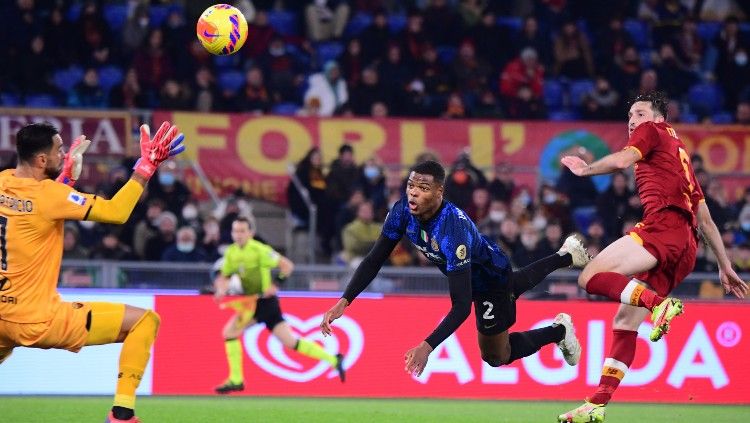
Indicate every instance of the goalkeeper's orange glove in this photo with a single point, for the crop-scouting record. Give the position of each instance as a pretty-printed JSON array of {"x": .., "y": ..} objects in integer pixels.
[
  {"x": 154, "y": 151},
  {"x": 73, "y": 162}
]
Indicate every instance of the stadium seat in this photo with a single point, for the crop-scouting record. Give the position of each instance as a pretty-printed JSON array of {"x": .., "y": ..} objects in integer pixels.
[
  {"x": 329, "y": 50},
  {"x": 562, "y": 115},
  {"x": 578, "y": 89},
  {"x": 705, "y": 99},
  {"x": 512, "y": 23},
  {"x": 40, "y": 101},
  {"x": 109, "y": 76},
  {"x": 688, "y": 118},
  {"x": 284, "y": 23},
  {"x": 645, "y": 56},
  {"x": 553, "y": 94},
  {"x": 396, "y": 23},
  {"x": 74, "y": 12},
  {"x": 583, "y": 216},
  {"x": 9, "y": 100},
  {"x": 285, "y": 109},
  {"x": 115, "y": 15},
  {"x": 357, "y": 24},
  {"x": 639, "y": 31},
  {"x": 708, "y": 30},
  {"x": 446, "y": 54},
  {"x": 231, "y": 80},
  {"x": 157, "y": 15},
  {"x": 66, "y": 79},
  {"x": 226, "y": 62},
  {"x": 722, "y": 118}
]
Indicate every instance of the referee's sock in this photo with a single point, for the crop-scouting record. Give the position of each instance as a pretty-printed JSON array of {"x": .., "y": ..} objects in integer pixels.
[
  {"x": 233, "y": 348},
  {"x": 523, "y": 344},
  {"x": 136, "y": 351},
  {"x": 314, "y": 350}
]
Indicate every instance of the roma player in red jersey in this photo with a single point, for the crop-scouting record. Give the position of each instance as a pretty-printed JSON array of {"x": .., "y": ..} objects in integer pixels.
[{"x": 640, "y": 269}]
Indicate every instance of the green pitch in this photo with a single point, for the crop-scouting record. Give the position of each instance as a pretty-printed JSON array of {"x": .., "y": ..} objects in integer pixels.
[{"x": 281, "y": 410}]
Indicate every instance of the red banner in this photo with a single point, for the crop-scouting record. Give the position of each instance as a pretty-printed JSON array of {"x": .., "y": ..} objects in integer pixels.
[
  {"x": 109, "y": 131},
  {"x": 701, "y": 360},
  {"x": 253, "y": 152}
]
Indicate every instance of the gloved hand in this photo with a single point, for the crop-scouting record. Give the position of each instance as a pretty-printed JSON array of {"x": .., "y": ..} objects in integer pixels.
[
  {"x": 154, "y": 151},
  {"x": 73, "y": 162}
]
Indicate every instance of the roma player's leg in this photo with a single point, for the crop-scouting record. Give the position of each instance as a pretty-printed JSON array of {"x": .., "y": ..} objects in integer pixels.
[{"x": 136, "y": 328}]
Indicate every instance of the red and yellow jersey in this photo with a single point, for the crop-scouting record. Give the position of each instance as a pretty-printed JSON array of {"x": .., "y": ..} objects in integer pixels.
[
  {"x": 32, "y": 214},
  {"x": 664, "y": 175}
]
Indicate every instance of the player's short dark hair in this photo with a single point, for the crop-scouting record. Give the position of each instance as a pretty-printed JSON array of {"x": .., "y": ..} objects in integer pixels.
[
  {"x": 658, "y": 100},
  {"x": 33, "y": 139},
  {"x": 431, "y": 167},
  {"x": 250, "y": 222}
]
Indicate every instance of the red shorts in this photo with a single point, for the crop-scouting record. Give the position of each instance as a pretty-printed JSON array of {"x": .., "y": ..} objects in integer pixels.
[{"x": 668, "y": 236}]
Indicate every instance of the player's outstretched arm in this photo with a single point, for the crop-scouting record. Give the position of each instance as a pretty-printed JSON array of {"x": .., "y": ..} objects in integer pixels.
[
  {"x": 154, "y": 151},
  {"x": 365, "y": 273},
  {"x": 622, "y": 159},
  {"x": 711, "y": 235},
  {"x": 459, "y": 284}
]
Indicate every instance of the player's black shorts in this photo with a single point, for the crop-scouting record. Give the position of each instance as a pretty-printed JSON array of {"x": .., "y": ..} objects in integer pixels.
[
  {"x": 495, "y": 310},
  {"x": 268, "y": 311}
]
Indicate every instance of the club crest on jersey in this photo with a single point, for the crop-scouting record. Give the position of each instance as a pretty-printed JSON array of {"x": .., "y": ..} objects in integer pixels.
[
  {"x": 76, "y": 198},
  {"x": 461, "y": 252},
  {"x": 434, "y": 244}
]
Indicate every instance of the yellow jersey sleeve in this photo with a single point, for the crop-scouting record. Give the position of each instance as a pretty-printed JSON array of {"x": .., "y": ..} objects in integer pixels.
[{"x": 61, "y": 202}]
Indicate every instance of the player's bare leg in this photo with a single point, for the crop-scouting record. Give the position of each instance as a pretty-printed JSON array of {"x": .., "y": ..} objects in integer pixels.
[
  {"x": 308, "y": 348},
  {"x": 136, "y": 328},
  {"x": 606, "y": 275},
  {"x": 232, "y": 332}
]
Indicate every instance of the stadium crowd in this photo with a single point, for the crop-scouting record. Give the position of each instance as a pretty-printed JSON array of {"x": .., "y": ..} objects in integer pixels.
[
  {"x": 556, "y": 59},
  {"x": 353, "y": 199},
  {"x": 546, "y": 59}
]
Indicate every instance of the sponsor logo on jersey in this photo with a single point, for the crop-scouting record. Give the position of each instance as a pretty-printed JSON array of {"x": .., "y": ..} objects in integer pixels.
[{"x": 4, "y": 283}]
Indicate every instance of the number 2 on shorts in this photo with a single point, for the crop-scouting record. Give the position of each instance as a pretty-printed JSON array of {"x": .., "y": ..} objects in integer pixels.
[{"x": 487, "y": 315}]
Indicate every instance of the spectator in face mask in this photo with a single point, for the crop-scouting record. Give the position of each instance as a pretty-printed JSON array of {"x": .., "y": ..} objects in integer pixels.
[
  {"x": 169, "y": 189},
  {"x": 529, "y": 249},
  {"x": 190, "y": 216},
  {"x": 463, "y": 178},
  {"x": 185, "y": 249},
  {"x": 491, "y": 224},
  {"x": 372, "y": 183}
]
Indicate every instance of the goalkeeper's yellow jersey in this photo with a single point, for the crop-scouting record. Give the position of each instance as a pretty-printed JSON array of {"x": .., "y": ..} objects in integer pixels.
[
  {"x": 253, "y": 263},
  {"x": 32, "y": 214}
]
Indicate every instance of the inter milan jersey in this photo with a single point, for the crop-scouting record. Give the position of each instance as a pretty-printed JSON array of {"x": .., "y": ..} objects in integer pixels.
[
  {"x": 664, "y": 175},
  {"x": 452, "y": 242}
]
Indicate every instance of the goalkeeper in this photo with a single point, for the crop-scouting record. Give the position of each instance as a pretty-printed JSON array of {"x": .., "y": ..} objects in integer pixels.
[
  {"x": 252, "y": 261},
  {"x": 35, "y": 200}
]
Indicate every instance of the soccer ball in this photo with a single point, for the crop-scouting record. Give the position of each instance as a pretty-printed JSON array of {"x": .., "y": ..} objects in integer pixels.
[{"x": 222, "y": 29}]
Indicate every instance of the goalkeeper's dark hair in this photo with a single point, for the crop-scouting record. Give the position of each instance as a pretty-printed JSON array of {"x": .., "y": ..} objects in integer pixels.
[
  {"x": 249, "y": 220},
  {"x": 431, "y": 167},
  {"x": 33, "y": 139},
  {"x": 658, "y": 100}
]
